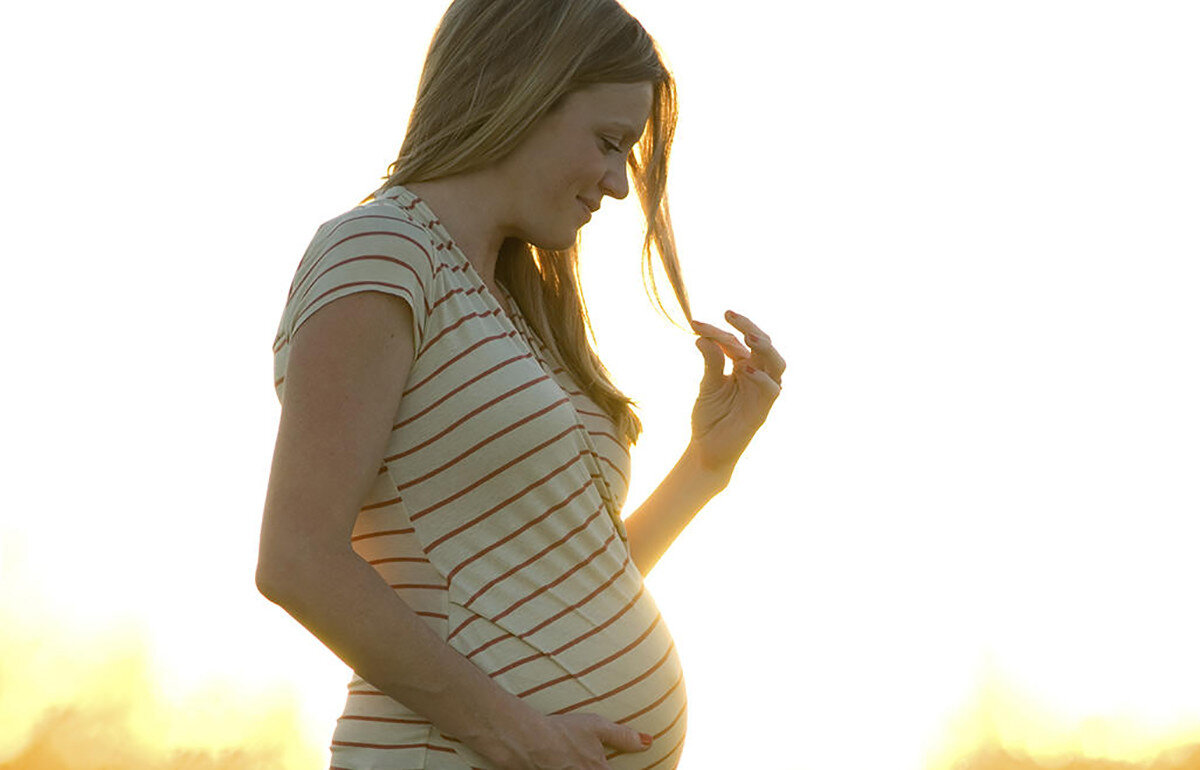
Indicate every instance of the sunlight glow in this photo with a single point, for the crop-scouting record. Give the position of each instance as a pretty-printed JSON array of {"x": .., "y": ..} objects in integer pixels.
[{"x": 970, "y": 522}]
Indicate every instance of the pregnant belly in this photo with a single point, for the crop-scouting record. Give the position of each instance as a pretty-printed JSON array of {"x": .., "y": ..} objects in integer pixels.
[{"x": 615, "y": 658}]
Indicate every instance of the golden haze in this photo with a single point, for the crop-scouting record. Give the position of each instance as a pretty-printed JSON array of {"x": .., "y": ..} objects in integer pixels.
[{"x": 70, "y": 700}]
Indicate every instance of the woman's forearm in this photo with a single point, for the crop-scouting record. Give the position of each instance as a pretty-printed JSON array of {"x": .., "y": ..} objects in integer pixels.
[
  {"x": 669, "y": 508},
  {"x": 342, "y": 600}
]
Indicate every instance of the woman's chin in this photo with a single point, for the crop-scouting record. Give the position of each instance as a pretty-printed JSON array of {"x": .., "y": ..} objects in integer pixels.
[{"x": 557, "y": 242}]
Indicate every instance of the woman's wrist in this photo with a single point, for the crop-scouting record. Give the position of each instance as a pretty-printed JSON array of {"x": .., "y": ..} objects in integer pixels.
[
  {"x": 712, "y": 477},
  {"x": 500, "y": 733}
]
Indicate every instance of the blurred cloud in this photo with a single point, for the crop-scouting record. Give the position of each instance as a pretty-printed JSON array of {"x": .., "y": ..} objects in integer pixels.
[
  {"x": 994, "y": 758},
  {"x": 72, "y": 699}
]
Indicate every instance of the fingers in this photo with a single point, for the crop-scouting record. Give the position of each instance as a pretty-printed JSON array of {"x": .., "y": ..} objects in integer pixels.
[
  {"x": 730, "y": 344},
  {"x": 760, "y": 355},
  {"x": 769, "y": 386},
  {"x": 745, "y": 325},
  {"x": 714, "y": 362},
  {"x": 760, "y": 344},
  {"x": 623, "y": 738}
]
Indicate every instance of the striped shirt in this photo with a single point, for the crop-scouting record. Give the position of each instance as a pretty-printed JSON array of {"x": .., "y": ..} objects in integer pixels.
[{"x": 496, "y": 511}]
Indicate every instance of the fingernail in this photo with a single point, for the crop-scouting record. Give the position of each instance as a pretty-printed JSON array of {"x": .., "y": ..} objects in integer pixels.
[
  {"x": 646, "y": 739},
  {"x": 731, "y": 314}
]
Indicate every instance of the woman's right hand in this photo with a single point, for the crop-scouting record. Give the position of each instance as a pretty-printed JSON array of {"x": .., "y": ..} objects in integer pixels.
[{"x": 561, "y": 741}]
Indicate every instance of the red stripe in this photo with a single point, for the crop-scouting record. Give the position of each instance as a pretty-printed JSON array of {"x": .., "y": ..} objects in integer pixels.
[
  {"x": 393, "y": 746},
  {"x": 387, "y": 720},
  {"x": 595, "y": 592},
  {"x": 462, "y": 625},
  {"x": 614, "y": 467},
  {"x": 464, "y": 490},
  {"x": 519, "y": 662},
  {"x": 393, "y": 559},
  {"x": 641, "y": 638},
  {"x": 384, "y": 504},
  {"x": 460, "y": 529},
  {"x": 605, "y": 624},
  {"x": 451, "y": 293},
  {"x": 656, "y": 703},
  {"x": 522, "y": 565},
  {"x": 339, "y": 287},
  {"x": 484, "y": 551},
  {"x": 510, "y": 427},
  {"x": 366, "y": 214},
  {"x": 454, "y": 360},
  {"x": 447, "y": 329},
  {"x": 565, "y": 610},
  {"x": 674, "y": 749},
  {"x": 619, "y": 444},
  {"x": 603, "y": 433},
  {"x": 477, "y": 410},
  {"x": 302, "y": 279},
  {"x": 544, "y": 685},
  {"x": 625, "y": 686},
  {"x": 556, "y": 581},
  {"x": 597, "y": 664},
  {"x": 405, "y": 531},
  {"x": 670, "y": 755},
  {"x": 678, "y": 744},
  {"x": 315, "y": 280},
  {"x": 349, "y": 220},
  {"x": 457, "y": 389},
  {"x": 504, "y": 635}
]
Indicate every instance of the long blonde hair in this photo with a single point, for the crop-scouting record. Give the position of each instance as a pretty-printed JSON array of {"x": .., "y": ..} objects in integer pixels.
[{"x": 493, "y": 69}]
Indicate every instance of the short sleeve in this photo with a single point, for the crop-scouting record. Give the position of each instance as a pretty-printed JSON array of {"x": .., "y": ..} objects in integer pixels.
[{"x": 364, "y": 250}]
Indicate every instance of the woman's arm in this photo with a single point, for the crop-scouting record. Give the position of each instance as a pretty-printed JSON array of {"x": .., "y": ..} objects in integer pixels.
[
  {"x": 728, "y": 412},
  {"x": 346, "y": 372},
  {"x": 347, "y": 367},
  {"x": 670, "y": 508}
]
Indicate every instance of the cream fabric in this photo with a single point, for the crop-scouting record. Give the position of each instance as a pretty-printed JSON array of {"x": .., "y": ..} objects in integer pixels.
[{"x": 495, "y": 514}]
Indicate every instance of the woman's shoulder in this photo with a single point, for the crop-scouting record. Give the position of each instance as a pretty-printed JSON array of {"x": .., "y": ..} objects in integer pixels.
[
  {"x": 383, "y": 245},
  {"x": 387, "y": 214},
  {"x": 394, "y": 226}
]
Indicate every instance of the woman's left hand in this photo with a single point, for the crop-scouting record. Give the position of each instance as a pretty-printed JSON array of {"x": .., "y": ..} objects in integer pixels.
[{"x": 731, "y": 407}]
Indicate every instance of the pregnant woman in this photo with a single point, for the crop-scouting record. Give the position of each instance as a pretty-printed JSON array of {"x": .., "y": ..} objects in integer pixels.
[{"x": 443, "y": 510}]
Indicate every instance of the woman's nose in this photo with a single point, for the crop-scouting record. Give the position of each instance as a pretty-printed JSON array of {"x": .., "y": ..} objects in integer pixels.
[{"x": 615, "y": 183}]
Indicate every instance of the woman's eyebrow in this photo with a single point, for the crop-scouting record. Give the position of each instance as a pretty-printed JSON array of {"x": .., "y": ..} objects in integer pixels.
[{"x": 628, "y": 132}]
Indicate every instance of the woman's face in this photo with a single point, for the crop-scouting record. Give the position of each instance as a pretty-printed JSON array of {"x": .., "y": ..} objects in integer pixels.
[{"x": 571, "y": 159}]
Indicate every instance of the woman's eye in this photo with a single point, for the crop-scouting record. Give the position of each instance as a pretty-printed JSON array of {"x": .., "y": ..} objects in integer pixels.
[{"x": 610, "y": 146}]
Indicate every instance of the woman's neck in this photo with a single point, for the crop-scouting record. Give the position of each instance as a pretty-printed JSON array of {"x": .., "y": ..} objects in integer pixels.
[{"x": 464, "y": 204}]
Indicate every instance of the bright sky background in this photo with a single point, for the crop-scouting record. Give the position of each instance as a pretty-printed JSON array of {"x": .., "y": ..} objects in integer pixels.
[{"x": 972, "y": 228}]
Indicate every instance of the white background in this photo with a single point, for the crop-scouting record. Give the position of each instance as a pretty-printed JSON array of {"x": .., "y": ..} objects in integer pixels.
[{"x": 971, "y": 227}]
